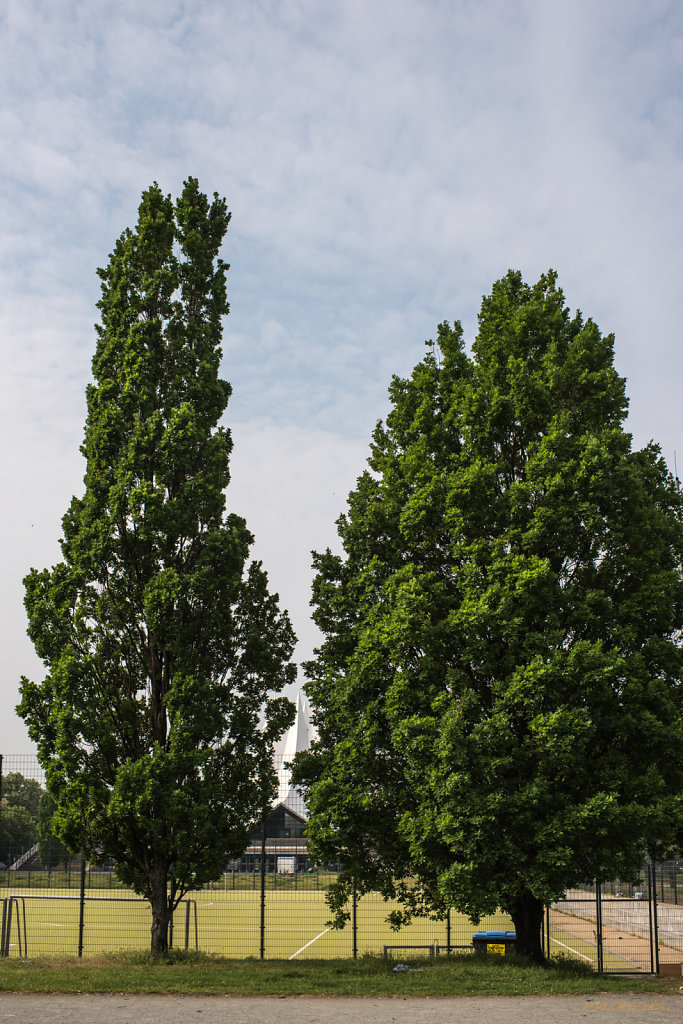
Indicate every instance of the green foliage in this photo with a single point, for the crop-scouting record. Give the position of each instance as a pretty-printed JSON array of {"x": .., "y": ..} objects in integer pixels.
[
  {"x": 17, "y": 830},
  {"x": 154, "y": 722},
  {"x": 498, "y": 690},
  {"x": 19, "y": 791},
  {"x": 25, "y": 816},
  {"x": 50, "y": 850},
  {"x": 18, "y": 814}
]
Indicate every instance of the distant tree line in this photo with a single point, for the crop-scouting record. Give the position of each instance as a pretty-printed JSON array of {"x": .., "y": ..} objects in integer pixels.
[{"x": 26, "y": 811}]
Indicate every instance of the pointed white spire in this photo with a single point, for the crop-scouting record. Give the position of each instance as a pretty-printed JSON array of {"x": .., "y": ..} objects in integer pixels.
[{"x": 298, "y": 737}]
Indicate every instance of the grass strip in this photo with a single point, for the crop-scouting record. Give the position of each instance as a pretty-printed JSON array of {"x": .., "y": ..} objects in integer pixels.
[{"x": 203, "y": 974}]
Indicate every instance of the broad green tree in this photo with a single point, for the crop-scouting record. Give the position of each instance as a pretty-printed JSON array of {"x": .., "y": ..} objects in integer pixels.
[
  {"x": 164, "y": 648},
  {"x": 498, "y": 690},
  {"x": 51, "y": 850},
  {"x": 22, "y": 792},
  {"x": 17, "y": 831},
  {"x": 18, "y": 815}
]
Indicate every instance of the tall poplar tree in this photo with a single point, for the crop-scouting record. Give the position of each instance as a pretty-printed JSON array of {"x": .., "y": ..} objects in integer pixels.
[
  {"x": 163, "y": 646},
  {"x": 499, "y": 688}
]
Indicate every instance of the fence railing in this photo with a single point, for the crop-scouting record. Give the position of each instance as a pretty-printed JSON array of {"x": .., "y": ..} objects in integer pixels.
[
  {"x": 611, "y": 934},
  {"x": 271, "y": 904}
]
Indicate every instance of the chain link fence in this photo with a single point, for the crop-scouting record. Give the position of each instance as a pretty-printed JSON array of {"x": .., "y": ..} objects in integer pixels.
[{"x": 270, "y": 903}]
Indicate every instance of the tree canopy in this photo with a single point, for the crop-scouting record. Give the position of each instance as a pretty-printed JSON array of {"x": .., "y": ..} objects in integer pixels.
[
  {"x": 50, "y": 850},
  {"x": 498, "y": 690},
  {"x": 20, "y": 791},
  {"x": 163, "y": 646},
  {"x": 18, "y": 815}
]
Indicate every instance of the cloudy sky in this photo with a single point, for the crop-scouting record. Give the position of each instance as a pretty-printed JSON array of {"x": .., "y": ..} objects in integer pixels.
[{"x": 384, "y": 163}]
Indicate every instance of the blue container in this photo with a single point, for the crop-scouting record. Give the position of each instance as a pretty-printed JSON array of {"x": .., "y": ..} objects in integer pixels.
[{"x": 498, "y": 943}]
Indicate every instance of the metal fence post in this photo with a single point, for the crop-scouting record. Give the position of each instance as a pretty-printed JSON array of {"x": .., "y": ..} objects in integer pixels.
[
  {"x": 654, "y": 934},
  {"x": 170, "y": 923},
  {"x": 598, "y": 925},
  {"x": 8, "y": 932},
  {"x": 81, "y": 915},
  {"x": 675, "y": 872},
  {"x": 542, "y": 932},
  {"x": 649, "y": 918},
  {"x": 355, "y": 921},
  {"x": 263, "y": 889}
]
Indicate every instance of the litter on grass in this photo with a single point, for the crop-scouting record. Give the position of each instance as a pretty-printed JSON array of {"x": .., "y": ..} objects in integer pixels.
[{"x": 407, "y": 967}]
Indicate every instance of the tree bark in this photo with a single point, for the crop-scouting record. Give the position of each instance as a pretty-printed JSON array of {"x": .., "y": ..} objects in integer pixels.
[
  {"x": 527, "y": 915},
  {"x": 160, "y": 915}
]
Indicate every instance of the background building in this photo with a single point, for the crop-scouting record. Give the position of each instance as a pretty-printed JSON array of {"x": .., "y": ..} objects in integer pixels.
[{"x": 285, "y": 843}]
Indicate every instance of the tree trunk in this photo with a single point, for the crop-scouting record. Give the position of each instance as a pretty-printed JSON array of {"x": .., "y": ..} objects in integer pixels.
[
  {"x": 159, "y": 880},
  {"x": 527, "y": 915},
  {"x": 160, "y": 915}
]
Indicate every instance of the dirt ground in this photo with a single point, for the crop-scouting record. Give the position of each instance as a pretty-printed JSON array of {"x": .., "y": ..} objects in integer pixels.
[
  {"x": 632, "y": 949},
  {"x": 625, "y": 926},
  {"x": 126, "y": 1009}
]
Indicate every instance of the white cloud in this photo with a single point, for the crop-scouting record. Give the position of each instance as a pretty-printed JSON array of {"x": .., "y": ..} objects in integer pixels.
[
  {"x": 291, "y": 484},
  {"x": 384, "y": 164}
]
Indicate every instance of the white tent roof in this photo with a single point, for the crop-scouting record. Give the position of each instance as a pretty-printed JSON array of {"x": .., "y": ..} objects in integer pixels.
[{"x": 298, "y": 737}]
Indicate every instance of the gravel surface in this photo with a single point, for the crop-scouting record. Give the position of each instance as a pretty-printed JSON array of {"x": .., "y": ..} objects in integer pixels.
[{"x": 153, "y": 1009}]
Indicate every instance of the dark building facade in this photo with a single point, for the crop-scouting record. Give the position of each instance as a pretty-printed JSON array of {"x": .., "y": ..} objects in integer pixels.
[{"x": 285, "y": 844}]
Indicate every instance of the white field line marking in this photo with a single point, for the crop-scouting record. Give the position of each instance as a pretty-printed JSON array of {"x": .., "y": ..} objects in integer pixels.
[
  {"x": 307, "y": 945},
  {"x": 571, "y": 949}
]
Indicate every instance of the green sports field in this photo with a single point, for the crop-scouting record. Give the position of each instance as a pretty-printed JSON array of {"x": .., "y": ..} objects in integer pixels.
[
  {"x": 228, "y": 922},
  {"x": 223, "y": 922}
]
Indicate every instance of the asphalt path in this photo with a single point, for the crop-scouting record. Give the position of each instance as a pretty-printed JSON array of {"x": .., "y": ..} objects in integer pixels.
[{"x": 27, "y": 1008}]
